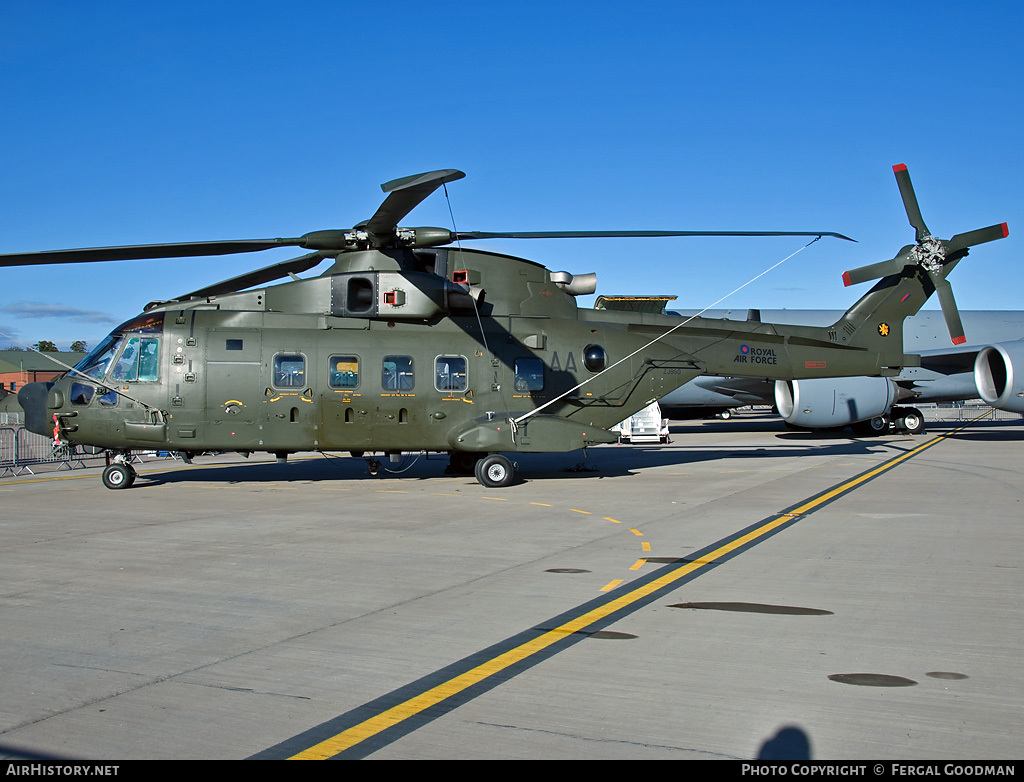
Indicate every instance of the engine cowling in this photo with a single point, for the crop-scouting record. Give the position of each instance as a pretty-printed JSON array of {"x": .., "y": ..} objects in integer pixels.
[
  {"x": 822, "y": 403},
  {"x": 999, "y": 375}
]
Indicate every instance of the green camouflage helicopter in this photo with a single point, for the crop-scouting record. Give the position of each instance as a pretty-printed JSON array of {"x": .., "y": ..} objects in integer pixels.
[{"x": 410, "y": 343}]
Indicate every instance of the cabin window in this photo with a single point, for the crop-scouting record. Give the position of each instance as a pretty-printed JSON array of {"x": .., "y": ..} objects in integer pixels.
[
  {"x": 343, "y": 372},
  {"x": 594, "y": 358},
  {"x": 397, "y": 373},
  {"x": 233, "y": 344},
  {"x": 289, "y": 370},
  {"x": 450, "y": 373},
  {"x": 529, "y": 374}
]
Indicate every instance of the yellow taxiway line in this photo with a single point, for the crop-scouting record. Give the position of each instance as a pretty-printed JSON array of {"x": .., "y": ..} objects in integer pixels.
[{"x": 437, "y": 694}]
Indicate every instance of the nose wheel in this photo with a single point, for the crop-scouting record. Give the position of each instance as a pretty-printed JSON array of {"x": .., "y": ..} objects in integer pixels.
[{"x": 118, "y": 476}]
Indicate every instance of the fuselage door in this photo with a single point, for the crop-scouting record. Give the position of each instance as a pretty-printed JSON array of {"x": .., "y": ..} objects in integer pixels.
[{"x": 234, "y": 389}]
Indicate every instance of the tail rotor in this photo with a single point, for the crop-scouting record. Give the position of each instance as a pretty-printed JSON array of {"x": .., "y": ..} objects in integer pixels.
[{"x": 931, "y": 257}]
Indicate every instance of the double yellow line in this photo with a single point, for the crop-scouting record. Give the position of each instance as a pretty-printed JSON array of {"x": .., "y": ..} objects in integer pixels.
[{"x": 436, "y": 695}]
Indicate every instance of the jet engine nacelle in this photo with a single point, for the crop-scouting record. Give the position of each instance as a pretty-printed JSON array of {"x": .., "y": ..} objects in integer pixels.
[
  {"x": 999, "y": 375},
  {"x": 824, "y": 403}
]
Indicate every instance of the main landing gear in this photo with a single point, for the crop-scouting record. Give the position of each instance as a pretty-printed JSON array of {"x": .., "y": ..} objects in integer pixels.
[
  {"x": 494, "y": 471},
  {"x": 907, "y": 420},
  {"x": 491, "y": 470}
]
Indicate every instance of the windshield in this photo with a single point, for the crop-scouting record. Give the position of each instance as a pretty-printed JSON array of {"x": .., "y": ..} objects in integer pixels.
[
  {"x": 95, "y": 364},
  {"x": 138, "y": 362}
]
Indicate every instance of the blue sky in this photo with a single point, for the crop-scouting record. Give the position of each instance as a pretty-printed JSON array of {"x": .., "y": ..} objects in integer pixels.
[{"x": 130, "y": 123}]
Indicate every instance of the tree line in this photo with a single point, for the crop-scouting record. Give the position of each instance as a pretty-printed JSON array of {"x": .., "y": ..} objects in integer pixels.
[{"x": 46, "y": 346}]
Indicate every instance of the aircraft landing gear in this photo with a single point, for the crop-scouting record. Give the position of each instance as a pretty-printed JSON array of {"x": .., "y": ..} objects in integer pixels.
[
  {"x": 119, "y": 475},
  {"x": 873, "y": 427},
  {"x": 908, "y": 420},
  {"x": 462, "y": 462},
  {"x": 495, "y": 471}
]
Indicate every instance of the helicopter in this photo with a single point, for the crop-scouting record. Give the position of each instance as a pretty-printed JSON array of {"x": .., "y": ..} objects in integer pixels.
[{"x": 409, "y": 342}]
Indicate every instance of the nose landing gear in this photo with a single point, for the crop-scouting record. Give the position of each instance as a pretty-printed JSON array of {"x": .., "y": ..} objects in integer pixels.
[{"x": 119, "y": 475}]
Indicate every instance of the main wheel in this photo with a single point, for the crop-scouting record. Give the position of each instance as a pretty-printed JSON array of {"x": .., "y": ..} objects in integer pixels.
[
  {"x": 494, "y": 471},
  {"x": 873, "y": 426},
  {"x": 118, "y": 476},
  {"x": 911, "y": 421},
  {"x": 462, "y": 462}
]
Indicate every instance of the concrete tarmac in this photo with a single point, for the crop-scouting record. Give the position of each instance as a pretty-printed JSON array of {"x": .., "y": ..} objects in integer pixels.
[{"x": 738, "y": 592}]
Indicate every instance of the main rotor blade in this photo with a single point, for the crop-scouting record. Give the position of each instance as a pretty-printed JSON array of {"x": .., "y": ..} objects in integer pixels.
[
  {"x": 258, "y": 276},
  {"x": 406, "y": 194},
  {"x": 469, "y": 235},
  {"x": 910, "y": 201},
  {"x": 949, "y": 309},
  {"x": 979, "y": 236},
  {"x": 143, "y": 251}
]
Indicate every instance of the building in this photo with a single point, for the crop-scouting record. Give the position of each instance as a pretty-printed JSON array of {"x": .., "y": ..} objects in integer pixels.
[{"x": 18, "y": 367}]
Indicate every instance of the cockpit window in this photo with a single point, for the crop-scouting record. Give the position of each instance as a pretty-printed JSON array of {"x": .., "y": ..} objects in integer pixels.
[
  {"x": 95, "y": 364},
  {"x": 145, "y": 323},
  {"x": 140, "y": 358},
  {"x": 81, "y": 393},
  {"x": 138, "y": 361}
]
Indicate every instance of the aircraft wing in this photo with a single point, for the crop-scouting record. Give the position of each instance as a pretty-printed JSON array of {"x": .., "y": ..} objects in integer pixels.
[{"x": 722, "y": 392}]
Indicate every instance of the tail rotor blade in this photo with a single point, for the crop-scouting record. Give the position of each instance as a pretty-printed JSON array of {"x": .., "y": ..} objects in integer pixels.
[
  {"x": 910, "y": 201},
  {"x": 949, "y": 310},
  {"x": 980, "y": 236},
  {"x": 932, "y": 256},
  {"x": 873, "y": 271}
]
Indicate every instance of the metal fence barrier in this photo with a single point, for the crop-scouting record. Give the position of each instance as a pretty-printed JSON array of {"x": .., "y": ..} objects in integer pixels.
[
  {"x": 20, "y": 450},
  {"x": 7, "y": 449},
  {"x": 959, "y": 413}
]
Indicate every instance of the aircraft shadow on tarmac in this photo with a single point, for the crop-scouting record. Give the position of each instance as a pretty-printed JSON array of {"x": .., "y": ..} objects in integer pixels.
[{"x": 603, "y": 462}]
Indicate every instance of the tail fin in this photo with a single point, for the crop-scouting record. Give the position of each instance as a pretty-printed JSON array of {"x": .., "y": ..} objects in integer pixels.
[{"x": 875, "y": 321}]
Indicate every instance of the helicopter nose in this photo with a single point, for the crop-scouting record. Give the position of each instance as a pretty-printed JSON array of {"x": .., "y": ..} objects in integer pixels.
[{"x": 32, "y": 399}]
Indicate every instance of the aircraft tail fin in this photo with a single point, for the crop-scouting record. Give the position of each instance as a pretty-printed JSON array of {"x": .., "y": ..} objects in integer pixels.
[{"x": 875, "y": 321}]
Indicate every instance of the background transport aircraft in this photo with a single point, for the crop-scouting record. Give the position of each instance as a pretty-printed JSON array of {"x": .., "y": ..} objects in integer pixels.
[{"x": 990, "y": 366}]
